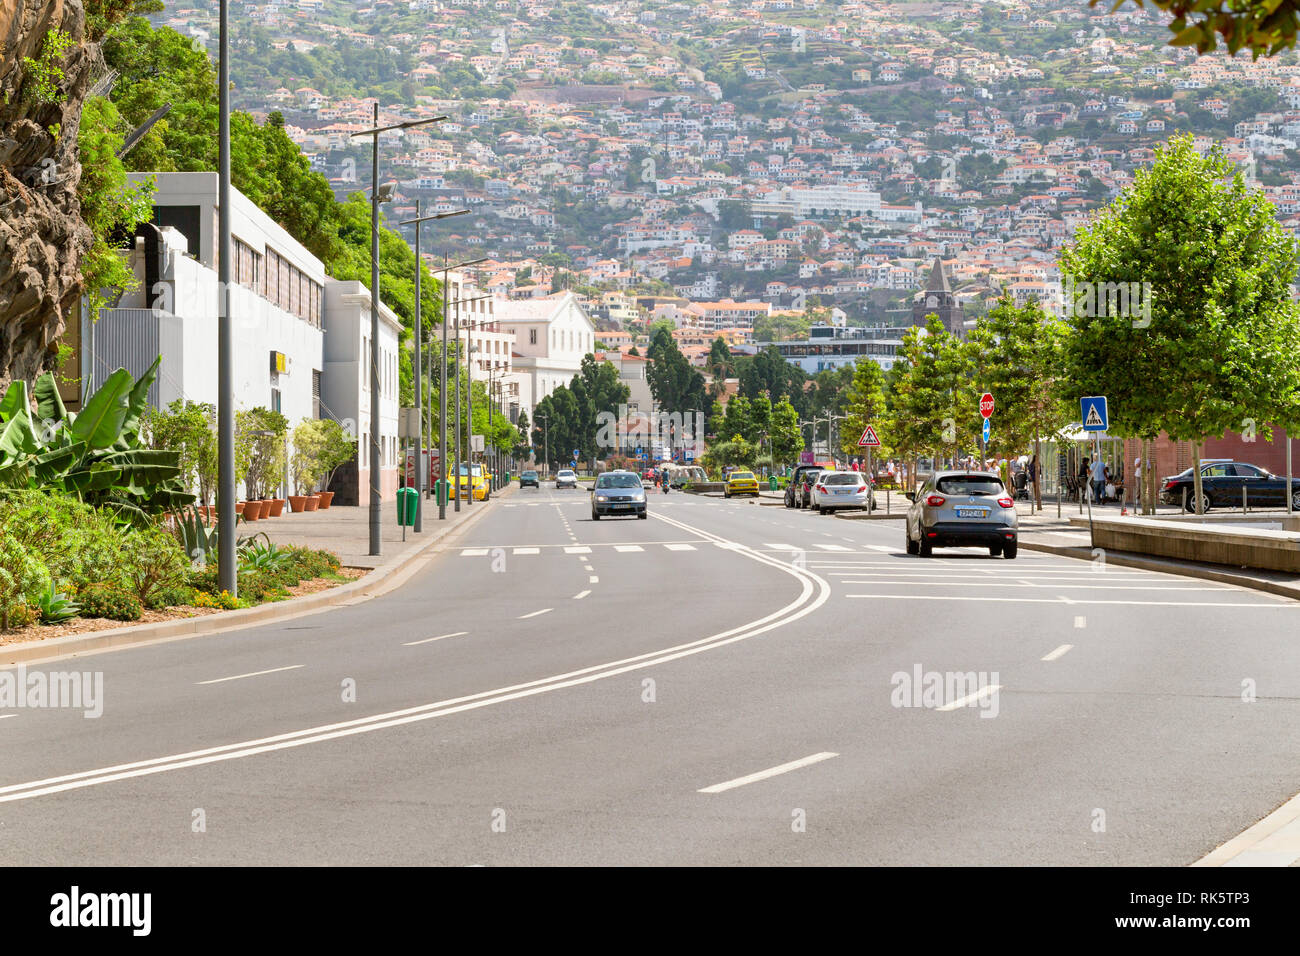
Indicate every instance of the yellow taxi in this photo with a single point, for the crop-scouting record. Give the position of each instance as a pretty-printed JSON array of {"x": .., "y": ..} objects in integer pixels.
[
  {"x": 740, "y": 483},
  {"x": 471, "y": 480}
]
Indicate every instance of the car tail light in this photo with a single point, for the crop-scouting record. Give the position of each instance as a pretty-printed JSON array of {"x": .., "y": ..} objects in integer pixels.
[
  {"x": 1170, "y": 484},
  {"x": 821, "y": 488},
  {"x": 1006, "y": 502},
  {"x": 935, "y": 501}
]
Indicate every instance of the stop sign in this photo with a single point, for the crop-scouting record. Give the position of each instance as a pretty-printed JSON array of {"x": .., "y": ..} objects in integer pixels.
[{"x": 986, "y": 404}]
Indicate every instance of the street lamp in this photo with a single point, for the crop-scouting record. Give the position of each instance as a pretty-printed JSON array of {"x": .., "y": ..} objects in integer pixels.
[
  {"x": 378, "y": 194},
  {"x": 546, "y": 442},
  {"x": 227, "y": 577},
  {"x": 442, "y": 419},
  {"x": 418, "y": 221},
  {"x": 469, "y": 413}
]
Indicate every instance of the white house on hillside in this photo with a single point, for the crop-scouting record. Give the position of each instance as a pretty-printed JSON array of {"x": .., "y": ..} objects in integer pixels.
[{"x": 551, "y": 335}]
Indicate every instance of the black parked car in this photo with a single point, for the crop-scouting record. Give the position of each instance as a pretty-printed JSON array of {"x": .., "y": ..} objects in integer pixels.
[
  {"x": 528, "y": 478},
  {"x": 1222, "y": 483},
  {"x": 803, "y": 492},
  {"x": 792, "y": 499}
]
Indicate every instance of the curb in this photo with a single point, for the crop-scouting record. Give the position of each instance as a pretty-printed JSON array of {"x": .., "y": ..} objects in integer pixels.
[
  {"x": 1129, "y": 560},
  {"x": 387, "y": 577},
  {"x": 858, "y": 516},
  {"x": 1270, "y": 842}
]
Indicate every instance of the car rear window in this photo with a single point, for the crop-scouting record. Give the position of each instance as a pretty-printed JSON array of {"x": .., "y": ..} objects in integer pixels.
[
  {"x": 842, "y": 480},
  {"x": 969, "y": 485},
  {"x": 618, "y": 481},
  {"x": 742, "y": 475}
]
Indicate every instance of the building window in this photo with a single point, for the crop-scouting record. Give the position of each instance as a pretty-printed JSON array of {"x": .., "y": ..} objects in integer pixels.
[
  {"x": 532, "y": 336},
  {"x": 315, "y": 393}
]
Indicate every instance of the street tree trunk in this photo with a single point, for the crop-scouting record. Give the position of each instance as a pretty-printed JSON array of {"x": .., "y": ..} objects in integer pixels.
[{"x": 1196, "y": 475}]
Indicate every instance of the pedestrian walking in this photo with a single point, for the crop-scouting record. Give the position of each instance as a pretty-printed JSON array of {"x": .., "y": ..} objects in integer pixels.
[{"x": 1098, "y": 473}]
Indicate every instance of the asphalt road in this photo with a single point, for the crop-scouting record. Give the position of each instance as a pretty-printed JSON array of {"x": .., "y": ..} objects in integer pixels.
[{"x": 553, "y": 690}]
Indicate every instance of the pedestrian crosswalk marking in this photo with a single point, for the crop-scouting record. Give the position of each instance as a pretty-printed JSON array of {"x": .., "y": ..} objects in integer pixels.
[
  {"x": 526, "y": 551},
  {"x": 833, "y": 547},
  {"x": 628, "y": 547},
  {"x": 780, "y": 547},
  {"x": 473, "y": 552},
  {"x": 580, "y": 549},
  {"x": 680, "y": 547}
]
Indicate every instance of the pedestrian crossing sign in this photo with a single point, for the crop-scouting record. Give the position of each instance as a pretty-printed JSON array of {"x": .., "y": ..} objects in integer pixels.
[
  {"x": 1093, "y": 413},
  {"x": 869, "y": 439}
]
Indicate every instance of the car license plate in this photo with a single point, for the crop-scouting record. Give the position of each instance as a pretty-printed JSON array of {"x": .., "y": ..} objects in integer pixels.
[
  {"x": 842, "y": 491},
  {"x": 622, "y": 506},
  {"x": 972, "y": 513}
]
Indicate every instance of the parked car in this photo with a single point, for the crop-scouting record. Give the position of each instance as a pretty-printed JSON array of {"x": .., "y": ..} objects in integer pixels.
[
  {"x": 617, "y": 493},
  {"x": 1222, "y": 483},
  {"x": 529, "y": 479},
  {"x": 566, "y": 478},
  {"x": 740, "y": 483},
  {"x": 803, "y": 492},
  {"x": 471, "y": 480},
  {"x": 841, "y": 489},
  {"x": 792, "y": 487},
  {"x": 962, "y": 508}
]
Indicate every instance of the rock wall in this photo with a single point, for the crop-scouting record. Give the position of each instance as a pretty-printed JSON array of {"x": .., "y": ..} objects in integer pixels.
[{"x": 42, "y": 237}]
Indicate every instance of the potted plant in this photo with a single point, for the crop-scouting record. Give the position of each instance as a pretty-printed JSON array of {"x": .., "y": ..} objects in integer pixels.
[
  {"x": 321, "y": 446},
  {"x": 260, "y": 456}
]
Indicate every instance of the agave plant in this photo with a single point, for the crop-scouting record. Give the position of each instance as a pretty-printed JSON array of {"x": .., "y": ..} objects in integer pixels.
[
  {"x": 255, "y": 556},
  {"x": 200, "y": 540},
  {"x": 95, "y": 454},
  {"x": 55, "y": 608}
]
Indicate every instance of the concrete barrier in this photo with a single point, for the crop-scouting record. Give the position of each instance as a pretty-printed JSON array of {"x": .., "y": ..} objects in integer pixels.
[{"x": 1236, "y": 547}]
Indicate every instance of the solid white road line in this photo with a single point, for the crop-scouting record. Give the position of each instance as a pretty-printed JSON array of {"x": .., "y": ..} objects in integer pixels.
[
  {"x": 5, "y": 716},
  {"x": 440, "y": 637},
  {"x": 273, "y": 670},
  {"x": 780, "y": 547},
  {"x": 814, "y": 592},
  {"x": 771, "y": 772},
  {"x": 1061, "y": 600},
  {"x": 970, "y": 698},
  {"x": 544, "y": 610},
  {"x": 833, "y": 547},
  {"x": 1059, "y": 652},
  {"x": 1054, "y": 585},
  {"x": 580, "y": 595}
]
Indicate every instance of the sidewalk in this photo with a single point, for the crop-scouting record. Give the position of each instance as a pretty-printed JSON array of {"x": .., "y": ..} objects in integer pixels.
[{"x": 345, "y": 530}]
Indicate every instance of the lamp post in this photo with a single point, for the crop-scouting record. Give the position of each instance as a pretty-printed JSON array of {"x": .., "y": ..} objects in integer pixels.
[
  {"x": 469, "y": 400},
  {"x": 442, "y": 418},
  {"x": 378, "y": 194},
  {"x": 546, "y": 446},
  {"x": 469, "y": 414},
  {"x": 419, "y": 221},
  {"x": 226, "y": 566}
]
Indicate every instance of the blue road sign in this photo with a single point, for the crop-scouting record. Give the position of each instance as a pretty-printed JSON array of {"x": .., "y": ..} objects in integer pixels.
[
  {"x": 987, "y": 431},
  {"x": 574, "y": 463},
  {"x": 577, "y": 454},
  {"x": 1093, "y": 413}
]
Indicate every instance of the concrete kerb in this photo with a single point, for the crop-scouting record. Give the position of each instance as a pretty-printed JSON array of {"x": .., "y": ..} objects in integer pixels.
[
  {"x": 1144, "y": 563},
  {"x": 383, "y": 579}
]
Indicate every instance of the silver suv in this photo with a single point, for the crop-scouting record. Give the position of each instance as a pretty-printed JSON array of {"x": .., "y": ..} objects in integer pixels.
[{"x": 959, "y": 508}]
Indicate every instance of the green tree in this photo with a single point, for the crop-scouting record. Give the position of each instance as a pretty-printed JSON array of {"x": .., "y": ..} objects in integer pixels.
[
  {"x": 926, "y": 393},
  {"x": 784, "y": 434},
  {"x": 188, "y": 428},
  {"x": 866, "y": 404},
  {"x": 676, "y": 386},
  {"x": 1264, "y": 27},
  {"x": 1016, "y": 355},
  {"x": 1214, "y": 346}
]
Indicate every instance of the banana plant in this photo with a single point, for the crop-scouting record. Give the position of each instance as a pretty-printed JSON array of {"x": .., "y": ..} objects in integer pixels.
[{"x": 95, "y": 454}]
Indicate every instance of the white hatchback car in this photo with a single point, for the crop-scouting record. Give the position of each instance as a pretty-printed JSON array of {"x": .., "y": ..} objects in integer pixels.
[
  {"x": 566, "y": 478},
  {"x": 840, "y": 489}
]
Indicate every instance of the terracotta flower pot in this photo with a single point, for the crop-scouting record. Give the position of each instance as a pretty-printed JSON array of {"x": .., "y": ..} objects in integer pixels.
[
  {"x": 325, "y": 498},
  {"x": 239, "y": 507},
  {"x": 277, "y": 508},
  {"x": 297, "y": 503},
  {"x": 252, "y": 510},
  {"x": 313, "y": 502}
]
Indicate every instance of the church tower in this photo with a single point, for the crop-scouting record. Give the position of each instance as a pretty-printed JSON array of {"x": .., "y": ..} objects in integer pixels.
[{"x": 939, "y": 300}]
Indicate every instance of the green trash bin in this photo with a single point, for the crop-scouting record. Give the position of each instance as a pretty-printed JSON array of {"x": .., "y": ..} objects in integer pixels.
[
  {"x": 440, "y": 490},
  {"x": 507, "y": 478},
  {"x": 408, "y": 499},
  {"x": 772, "y": 483}
]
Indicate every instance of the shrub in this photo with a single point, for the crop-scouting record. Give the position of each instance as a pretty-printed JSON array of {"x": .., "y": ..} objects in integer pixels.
[
  {"x": 222, "y": 599},
  {"x": 22, "y": 575},
  {"x": 259, "y": 586},
  {"x": 154, "y": 562},
  {"x": 174, "y": 596},
  {"x": 116, "y": 604},
  {"x": 21, "y": 615}
]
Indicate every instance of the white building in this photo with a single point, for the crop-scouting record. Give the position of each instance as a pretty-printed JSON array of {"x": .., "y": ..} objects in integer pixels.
[
  {"x": 345, "y": 395},
  {"x": 276, "y": 304},
  {"x": 551, "y": 335}
]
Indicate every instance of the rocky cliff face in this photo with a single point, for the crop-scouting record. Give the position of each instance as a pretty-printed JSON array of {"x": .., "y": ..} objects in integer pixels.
[{"x": 42, "y": 237}]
